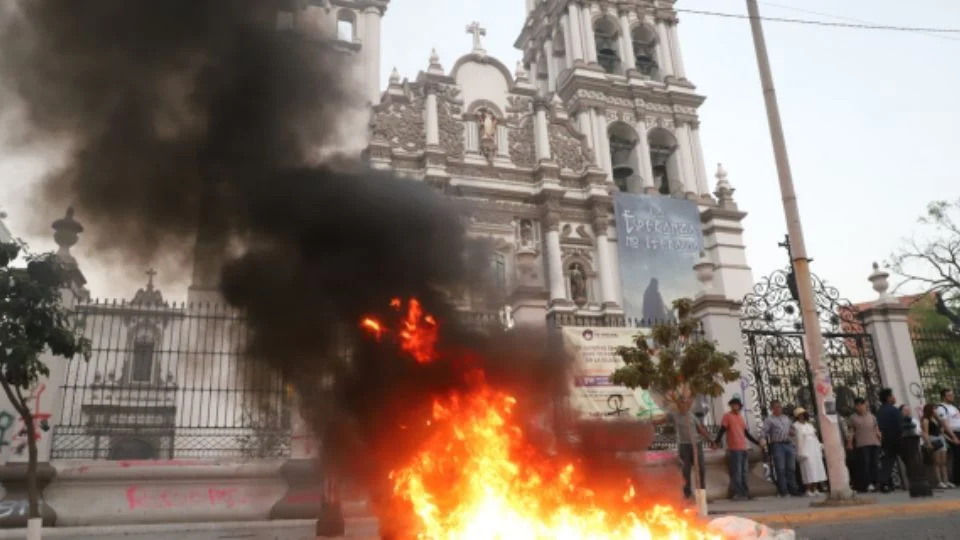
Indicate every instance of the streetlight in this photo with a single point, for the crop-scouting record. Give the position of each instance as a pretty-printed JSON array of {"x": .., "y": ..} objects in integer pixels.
[{"x": 833, "y": 447}]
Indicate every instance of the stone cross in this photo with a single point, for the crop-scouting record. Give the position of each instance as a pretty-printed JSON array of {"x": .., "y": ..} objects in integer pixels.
[
  {"x": 477, "y": 31},
  {"x": 150, "y": 275}
]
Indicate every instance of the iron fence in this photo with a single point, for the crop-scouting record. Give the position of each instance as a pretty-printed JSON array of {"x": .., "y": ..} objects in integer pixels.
[
  {"x": 172, "y": 381},
  {"x": 938, "y": 359},
  {"x": 169, "y": 381}
]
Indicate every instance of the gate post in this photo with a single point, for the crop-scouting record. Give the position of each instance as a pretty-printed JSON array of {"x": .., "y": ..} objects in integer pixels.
[
  {"x": 887, "y": 323},
  {"x": 720, "y": 318}
]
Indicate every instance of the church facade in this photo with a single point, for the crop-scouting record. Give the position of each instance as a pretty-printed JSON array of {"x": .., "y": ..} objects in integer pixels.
[{"x": 600, "y": 102}]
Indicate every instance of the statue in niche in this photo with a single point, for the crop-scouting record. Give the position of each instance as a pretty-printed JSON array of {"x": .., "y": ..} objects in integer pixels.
[
  {"x": 660, "y": 179},
  {"x": 526, "y": 233},
  {"x": 578, "y": 284},
  {"x": 488, "y": 124}
]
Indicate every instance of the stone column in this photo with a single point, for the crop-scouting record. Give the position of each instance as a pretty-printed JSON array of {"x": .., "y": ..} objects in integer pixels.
[
  {"x": 558, "y": 289},
  {"x": 643, "y": 149},
  {"x": 371, "y": 46},
  {"x": 567, "y": 40},
  {"x": 602, "y": 144},
  {"x": 432, "y": 119},
  {"x": 887, "y": 323},
  {"x": 626, "y": 40},
  {"x": 721, "y": 323},
  {"x": 703, "y": 189},
  {"x": 663, "y": 50},
  {"x": 541, "y": 130},
  {"x": 675, "y": 55},
  {"x": 574, "y": 29},
  {"x": 551, "y": 65},
  {"x": 685, "y": 159},
  {"x": 589, "y": 40},
  {"x": 587, "y": 128},
  {"x": 608, "y": 291}
]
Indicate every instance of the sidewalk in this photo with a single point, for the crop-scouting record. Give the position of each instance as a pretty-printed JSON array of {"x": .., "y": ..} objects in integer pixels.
[{"x": 795, "y": 511}]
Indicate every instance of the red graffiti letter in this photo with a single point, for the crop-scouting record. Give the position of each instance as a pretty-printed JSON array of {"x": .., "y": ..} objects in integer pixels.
[
  {"x": 221, "y": 495},
  {"x": 135, "y": 498}
]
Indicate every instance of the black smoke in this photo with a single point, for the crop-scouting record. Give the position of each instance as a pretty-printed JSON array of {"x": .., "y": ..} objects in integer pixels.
[{"x": 187, "y": 114}]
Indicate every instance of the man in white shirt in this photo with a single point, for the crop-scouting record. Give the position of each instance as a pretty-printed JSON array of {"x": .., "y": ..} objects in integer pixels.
[{"x": 949, "y": 417}]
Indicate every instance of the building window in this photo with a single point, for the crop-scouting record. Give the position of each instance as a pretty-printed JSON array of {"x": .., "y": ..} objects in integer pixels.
[
  {"x": 345, "y": 25},
  {"x": 142, "y": 369},
  {"x": 645, "y": 51},
  {"x": 607, "y": 36}
]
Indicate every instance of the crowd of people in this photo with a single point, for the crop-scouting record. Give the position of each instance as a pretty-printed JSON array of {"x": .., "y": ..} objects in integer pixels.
[{"x": 874, "y": 443}]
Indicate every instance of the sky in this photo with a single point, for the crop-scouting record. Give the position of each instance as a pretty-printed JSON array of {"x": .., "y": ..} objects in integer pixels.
[{"x": 871, "y": 120}]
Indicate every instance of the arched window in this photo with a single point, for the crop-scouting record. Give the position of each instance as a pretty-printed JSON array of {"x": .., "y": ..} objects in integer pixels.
[
  {"x": 623, "y": 156},
  {"x": 663, "y": 158},
  {"x": 645, "y": 51},
  {"x": 607, "y": 35},
  {"x": 346, "y": 25}
]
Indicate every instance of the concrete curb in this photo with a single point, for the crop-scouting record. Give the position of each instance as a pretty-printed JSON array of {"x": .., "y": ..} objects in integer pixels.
[{"x": 855, "y": 513}]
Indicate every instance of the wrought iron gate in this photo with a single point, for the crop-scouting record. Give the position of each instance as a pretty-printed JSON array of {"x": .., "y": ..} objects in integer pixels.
[{"x": 777, "y": 367}]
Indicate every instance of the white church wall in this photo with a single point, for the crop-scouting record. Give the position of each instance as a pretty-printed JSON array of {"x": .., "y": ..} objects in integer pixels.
[{"x": 483, "y": 82}]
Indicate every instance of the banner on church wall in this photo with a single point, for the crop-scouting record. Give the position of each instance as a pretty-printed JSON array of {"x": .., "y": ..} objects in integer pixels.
[
  {"x": 659, "y": 240},
  {"x": 594, "y": 351}
]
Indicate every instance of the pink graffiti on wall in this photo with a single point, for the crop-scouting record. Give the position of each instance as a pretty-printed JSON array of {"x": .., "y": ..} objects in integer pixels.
[{"x": 139, "y": 498}]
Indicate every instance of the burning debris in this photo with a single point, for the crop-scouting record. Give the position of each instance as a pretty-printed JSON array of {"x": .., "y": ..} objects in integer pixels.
[{"x": 475, "y": 474}]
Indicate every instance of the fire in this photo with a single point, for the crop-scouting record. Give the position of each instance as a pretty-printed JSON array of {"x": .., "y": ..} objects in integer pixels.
[{"x": 476, "y": 477}]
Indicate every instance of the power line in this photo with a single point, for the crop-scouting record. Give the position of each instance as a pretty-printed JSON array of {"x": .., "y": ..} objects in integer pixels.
[
  {"x": 850, "y": 19},
  {"x": 859, "y": 26}
]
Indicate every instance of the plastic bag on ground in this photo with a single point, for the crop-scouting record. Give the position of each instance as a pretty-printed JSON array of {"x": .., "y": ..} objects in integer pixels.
[{"x": 739, "y": 528}]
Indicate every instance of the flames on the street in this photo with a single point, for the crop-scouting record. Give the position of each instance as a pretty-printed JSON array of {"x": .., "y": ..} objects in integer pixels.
[{"x": 476, "y": 477}]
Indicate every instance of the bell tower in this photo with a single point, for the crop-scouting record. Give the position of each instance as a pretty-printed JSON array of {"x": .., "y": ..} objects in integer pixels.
[
  {"x": 618, "y": 70},
  {"x": 355, "y": 25}
]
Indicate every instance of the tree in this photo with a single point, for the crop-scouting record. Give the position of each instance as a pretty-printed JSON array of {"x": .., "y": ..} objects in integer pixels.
[
  {"x": 934, "y": 262},
  {"x": 677, "y": 366},
  {"x": 33, "y": 320}
]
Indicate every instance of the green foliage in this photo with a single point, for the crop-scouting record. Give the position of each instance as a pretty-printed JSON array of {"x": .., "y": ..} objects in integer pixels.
[
  {"x": 933, "y": 263},
  {"x": 674, "y": 364},
  {"x": 924, "y": 317},
  {"x": 32, "y": 318}
]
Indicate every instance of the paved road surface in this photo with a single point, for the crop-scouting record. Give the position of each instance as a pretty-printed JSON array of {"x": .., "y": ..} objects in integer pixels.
[{"x": 938, "y": 527}]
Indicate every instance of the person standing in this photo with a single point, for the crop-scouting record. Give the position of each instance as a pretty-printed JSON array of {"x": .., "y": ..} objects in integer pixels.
[
  {"x": 735, "y": 428},
  {"x": 949, "y": 417},
  {"x": 689, "y": 428},
  {"x": 890, "y": 422},
  {"x": 809, "y": 452},
  {"x": 863, "y": 439},
  {"x": 935, "y": 439},
  {"x": 778, "y": 433}
]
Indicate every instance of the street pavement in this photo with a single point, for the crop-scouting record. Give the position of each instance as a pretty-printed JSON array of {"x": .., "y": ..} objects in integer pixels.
[
  {"x": 935, "y": 527},
  {"x": 890, "y": 517}
]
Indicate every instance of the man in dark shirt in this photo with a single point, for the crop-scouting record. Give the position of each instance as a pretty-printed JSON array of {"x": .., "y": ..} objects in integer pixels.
[{"x": 890, "y": 422}]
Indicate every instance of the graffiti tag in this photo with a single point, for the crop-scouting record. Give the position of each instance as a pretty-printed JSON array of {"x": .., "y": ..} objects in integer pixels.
[
  {"x": 139, "y": 498},
  {"x": 15, "y": 508}
]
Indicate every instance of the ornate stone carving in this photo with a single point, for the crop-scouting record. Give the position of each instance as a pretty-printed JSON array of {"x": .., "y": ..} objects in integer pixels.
[
  {"x": 449, "y": 109},
  {"x": 602, "y": 97},
  {"x": 568, "y": 149},
  {"x": 400, "y": 124},
  {"x": 522, "y": 150},
  {"x": 518, "y": 107},
  {"x": 581, "y": 252}
]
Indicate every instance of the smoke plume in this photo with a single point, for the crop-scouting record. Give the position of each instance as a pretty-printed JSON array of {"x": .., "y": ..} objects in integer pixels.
[{"x": 180, "y": 114}]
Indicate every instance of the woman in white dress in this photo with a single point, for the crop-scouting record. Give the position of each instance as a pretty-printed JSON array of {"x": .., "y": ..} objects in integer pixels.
[{"x": 809, "y": 452}]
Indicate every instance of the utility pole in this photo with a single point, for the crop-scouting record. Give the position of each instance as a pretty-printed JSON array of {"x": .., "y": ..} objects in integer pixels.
[{"x": 833, "y": 448}]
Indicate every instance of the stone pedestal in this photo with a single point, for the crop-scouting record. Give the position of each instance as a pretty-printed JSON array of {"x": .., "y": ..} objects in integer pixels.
[
  {"x": 886, "y": 322},
  {"x": 720, "y": 318}
]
